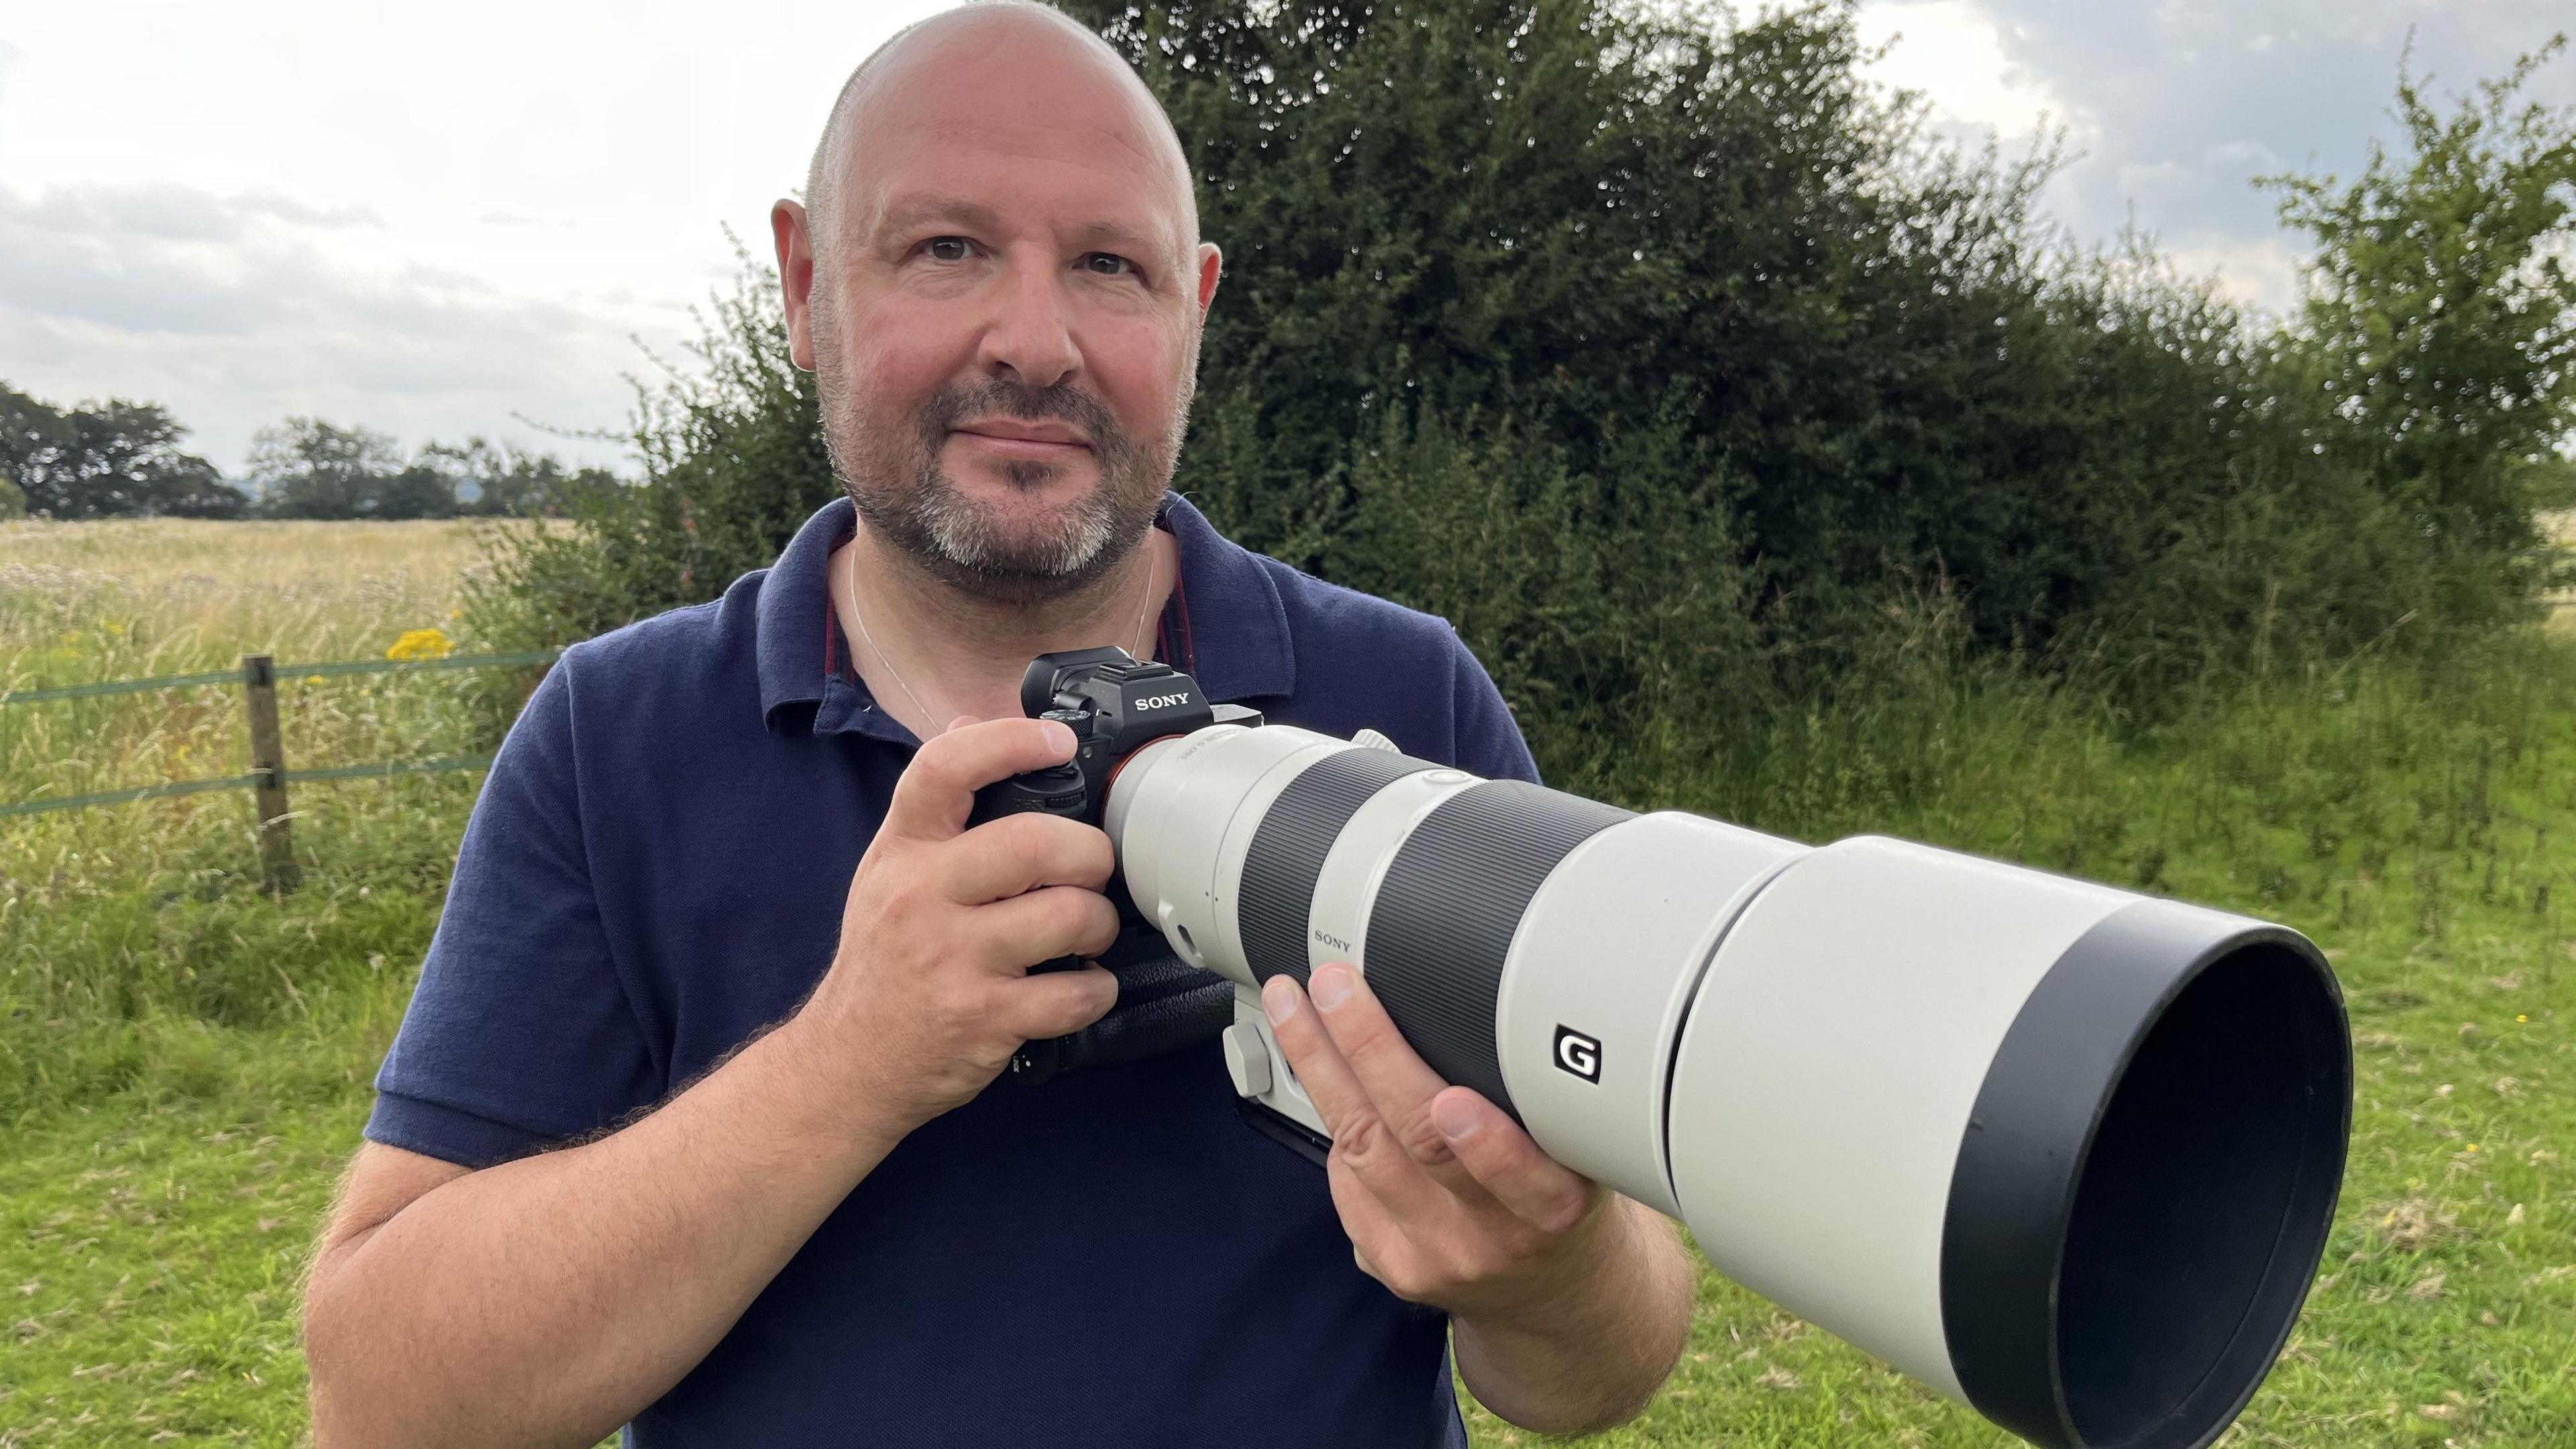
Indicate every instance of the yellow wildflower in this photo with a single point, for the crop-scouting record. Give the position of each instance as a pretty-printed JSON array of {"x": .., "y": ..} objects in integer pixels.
[{"x": 421, "y": 644}]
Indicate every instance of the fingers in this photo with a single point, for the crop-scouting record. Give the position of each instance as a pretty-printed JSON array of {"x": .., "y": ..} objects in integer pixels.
[
  {"x": 1361, "y": 1136},
  {"x": 938, "y": 788},
  {"x": 1003, "y": 858},
  {"x": 1396, "y": 1077},
  {"x": 1034, "y": 1008},
  {"x": 1398, "y": 1081},
  {"x": 1374, "y": 1080},
  {"x": 1056, "y": 921},
  {"x": 1494, "y": 1149}
]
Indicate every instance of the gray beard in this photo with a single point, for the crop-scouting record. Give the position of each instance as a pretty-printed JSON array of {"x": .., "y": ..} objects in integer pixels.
[{"x": 903, "y": 494}]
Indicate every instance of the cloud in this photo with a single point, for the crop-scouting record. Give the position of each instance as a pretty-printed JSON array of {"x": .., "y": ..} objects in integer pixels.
[
  {"x": 287, "y": 208},
  {"x": 2263, "y": 271},
  {"x": 2195, "y": 99},
  {"x": 2179, "y": 106},
  {"x": 1957, "y": 56},
  {"x": 236, "y": 310}
]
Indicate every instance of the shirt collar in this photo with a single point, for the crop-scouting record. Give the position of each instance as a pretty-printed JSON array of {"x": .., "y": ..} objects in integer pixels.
[{"x": 1238, "y": 627}]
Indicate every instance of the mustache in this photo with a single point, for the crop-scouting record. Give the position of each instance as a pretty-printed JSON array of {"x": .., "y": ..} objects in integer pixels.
[{"x": 957, "y": 402}]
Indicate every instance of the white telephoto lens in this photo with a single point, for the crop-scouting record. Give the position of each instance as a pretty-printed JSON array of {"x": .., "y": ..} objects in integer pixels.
[{"x": 2061, "y": 1151}]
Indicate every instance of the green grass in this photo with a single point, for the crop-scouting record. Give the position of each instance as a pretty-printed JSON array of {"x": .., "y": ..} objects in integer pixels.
[
  {"x": 184, "y": 1060},
  {"x": 153, "y": 1262}
]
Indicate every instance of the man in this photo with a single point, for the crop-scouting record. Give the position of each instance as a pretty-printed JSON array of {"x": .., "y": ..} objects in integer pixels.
[{"x": 669, "y": 1141}]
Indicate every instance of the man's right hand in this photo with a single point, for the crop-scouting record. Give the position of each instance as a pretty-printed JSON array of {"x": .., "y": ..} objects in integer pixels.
[
  {"x": 928, "y": 994},
  {"x": 456, "y": 1307}
]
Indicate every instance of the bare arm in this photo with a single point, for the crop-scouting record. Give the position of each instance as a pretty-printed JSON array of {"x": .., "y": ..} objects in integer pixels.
[
  {"x": 1602, "y": 1338},
  {"x": 547, "y": 1300}
]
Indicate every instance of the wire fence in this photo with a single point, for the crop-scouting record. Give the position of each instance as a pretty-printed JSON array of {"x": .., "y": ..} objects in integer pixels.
[{"x": 257, "y": 675}]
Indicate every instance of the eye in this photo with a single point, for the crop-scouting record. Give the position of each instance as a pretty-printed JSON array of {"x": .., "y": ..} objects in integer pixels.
[
  {"x": 947, "y": 248},
  {"x": 1107, "y": 264}
]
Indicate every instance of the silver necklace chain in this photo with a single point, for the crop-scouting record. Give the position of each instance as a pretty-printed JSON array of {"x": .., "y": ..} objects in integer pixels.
[{"x": 1144, "y": 602}]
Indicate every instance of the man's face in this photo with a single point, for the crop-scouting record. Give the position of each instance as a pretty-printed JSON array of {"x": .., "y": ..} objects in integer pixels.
[{"x": 1004, "y": 318}]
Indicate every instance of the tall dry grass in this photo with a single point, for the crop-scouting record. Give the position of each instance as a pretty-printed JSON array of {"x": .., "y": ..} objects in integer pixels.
[
  {"x": 133, "y": 598},
  {"x": 133, "y": 921}
]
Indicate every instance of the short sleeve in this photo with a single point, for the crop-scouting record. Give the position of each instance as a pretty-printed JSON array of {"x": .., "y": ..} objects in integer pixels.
[
  {"x": 1489, "y": 739},
  {"x": 521, "y": 1033}
]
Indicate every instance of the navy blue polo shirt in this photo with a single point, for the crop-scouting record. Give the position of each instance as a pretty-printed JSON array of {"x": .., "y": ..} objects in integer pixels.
[{"x": 655, "y": 870}]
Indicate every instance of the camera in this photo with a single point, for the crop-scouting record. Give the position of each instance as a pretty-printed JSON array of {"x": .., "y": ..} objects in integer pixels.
[
  {"x": 2064, "y": 1152},
  {"x": 1115, "y": 705}
]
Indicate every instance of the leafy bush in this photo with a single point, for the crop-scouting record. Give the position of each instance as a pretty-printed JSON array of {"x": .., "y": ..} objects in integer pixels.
[
  {"x": 2441, "y": 326},
  {"x": 1663, "y": 352}
]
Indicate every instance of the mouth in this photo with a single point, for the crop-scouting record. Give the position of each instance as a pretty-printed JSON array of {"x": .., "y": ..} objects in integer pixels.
[{"x": 1025, "y": 438}]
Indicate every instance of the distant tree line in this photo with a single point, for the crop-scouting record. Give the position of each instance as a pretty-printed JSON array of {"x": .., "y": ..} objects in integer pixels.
[
  {"x": 307, "y": 468},
  {"x": 103, "y": 460},
  {"x": 1672, "y": 358},
  {"x": 120, "y": 459}
]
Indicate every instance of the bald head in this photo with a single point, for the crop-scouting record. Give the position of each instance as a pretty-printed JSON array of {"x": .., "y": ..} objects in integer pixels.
[
  {"x": 1091, "y": 83},
  {"x": 997, "y": 280}
]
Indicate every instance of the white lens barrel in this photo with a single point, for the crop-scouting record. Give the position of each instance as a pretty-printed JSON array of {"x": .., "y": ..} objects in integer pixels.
[
  {"x": 1199, "y": 798},
  {"x": 1588, "y": 1052},
  {"x": 2062, "y": 1151},
  {"x": 1829, "y": 1066}
]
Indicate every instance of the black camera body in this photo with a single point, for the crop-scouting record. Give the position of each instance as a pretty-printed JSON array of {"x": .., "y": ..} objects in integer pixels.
[{"x": 1115, "y": 705}]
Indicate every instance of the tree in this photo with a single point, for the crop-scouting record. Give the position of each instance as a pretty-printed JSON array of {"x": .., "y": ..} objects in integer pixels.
[
  {"x": 106, "y": 459},
  {"x": 2441, "y": 314},
  {"x": 498, "y": 480},
  {"x": 307, "y": 468}
]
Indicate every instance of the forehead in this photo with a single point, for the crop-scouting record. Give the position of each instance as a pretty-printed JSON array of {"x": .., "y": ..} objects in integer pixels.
[{"x": 1028, "y": 126}]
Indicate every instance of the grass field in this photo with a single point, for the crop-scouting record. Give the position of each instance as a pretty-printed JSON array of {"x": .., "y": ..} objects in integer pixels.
[{"x": 183, "y": 1060}]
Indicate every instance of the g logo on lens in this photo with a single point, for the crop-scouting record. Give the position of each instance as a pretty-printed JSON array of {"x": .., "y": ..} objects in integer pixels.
[{"x": 1578, "y": 1053}]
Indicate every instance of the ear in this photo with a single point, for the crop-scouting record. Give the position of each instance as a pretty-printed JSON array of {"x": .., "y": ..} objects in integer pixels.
[
  {"x": 787, "y": 227},
  {"x": 1211, "y": 263}
]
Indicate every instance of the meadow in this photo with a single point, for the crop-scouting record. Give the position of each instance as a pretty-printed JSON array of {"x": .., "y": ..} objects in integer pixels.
[{"x": 184, "y": 1058}]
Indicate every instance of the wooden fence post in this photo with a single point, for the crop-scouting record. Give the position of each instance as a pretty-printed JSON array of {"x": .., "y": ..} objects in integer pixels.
[{"x": 268, "y": 760}]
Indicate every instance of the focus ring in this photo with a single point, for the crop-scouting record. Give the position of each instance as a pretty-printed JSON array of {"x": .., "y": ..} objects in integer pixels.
[
  {"x": 1443, "y": 922},
  {"x": 1287, "y": 853}
]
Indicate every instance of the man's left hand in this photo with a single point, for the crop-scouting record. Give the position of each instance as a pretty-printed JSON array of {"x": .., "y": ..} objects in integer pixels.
[{"x": 1446, "y": 1200}]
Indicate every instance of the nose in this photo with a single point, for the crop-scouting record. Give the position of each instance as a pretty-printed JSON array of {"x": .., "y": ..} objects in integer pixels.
[{"x": 1030, "y": 339}]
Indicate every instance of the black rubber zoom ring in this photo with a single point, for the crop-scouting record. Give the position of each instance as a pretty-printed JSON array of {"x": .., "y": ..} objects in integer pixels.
[
  {"x": 1444, "y": 919},
  {"x": 1287, "y": 853}
]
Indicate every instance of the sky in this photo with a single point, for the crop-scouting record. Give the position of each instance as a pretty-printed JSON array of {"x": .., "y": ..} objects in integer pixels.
[{"x": 485, "y": 218}]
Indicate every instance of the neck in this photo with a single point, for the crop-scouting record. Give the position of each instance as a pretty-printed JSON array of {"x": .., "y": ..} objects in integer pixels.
[{"x": 912, "y": 634}]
